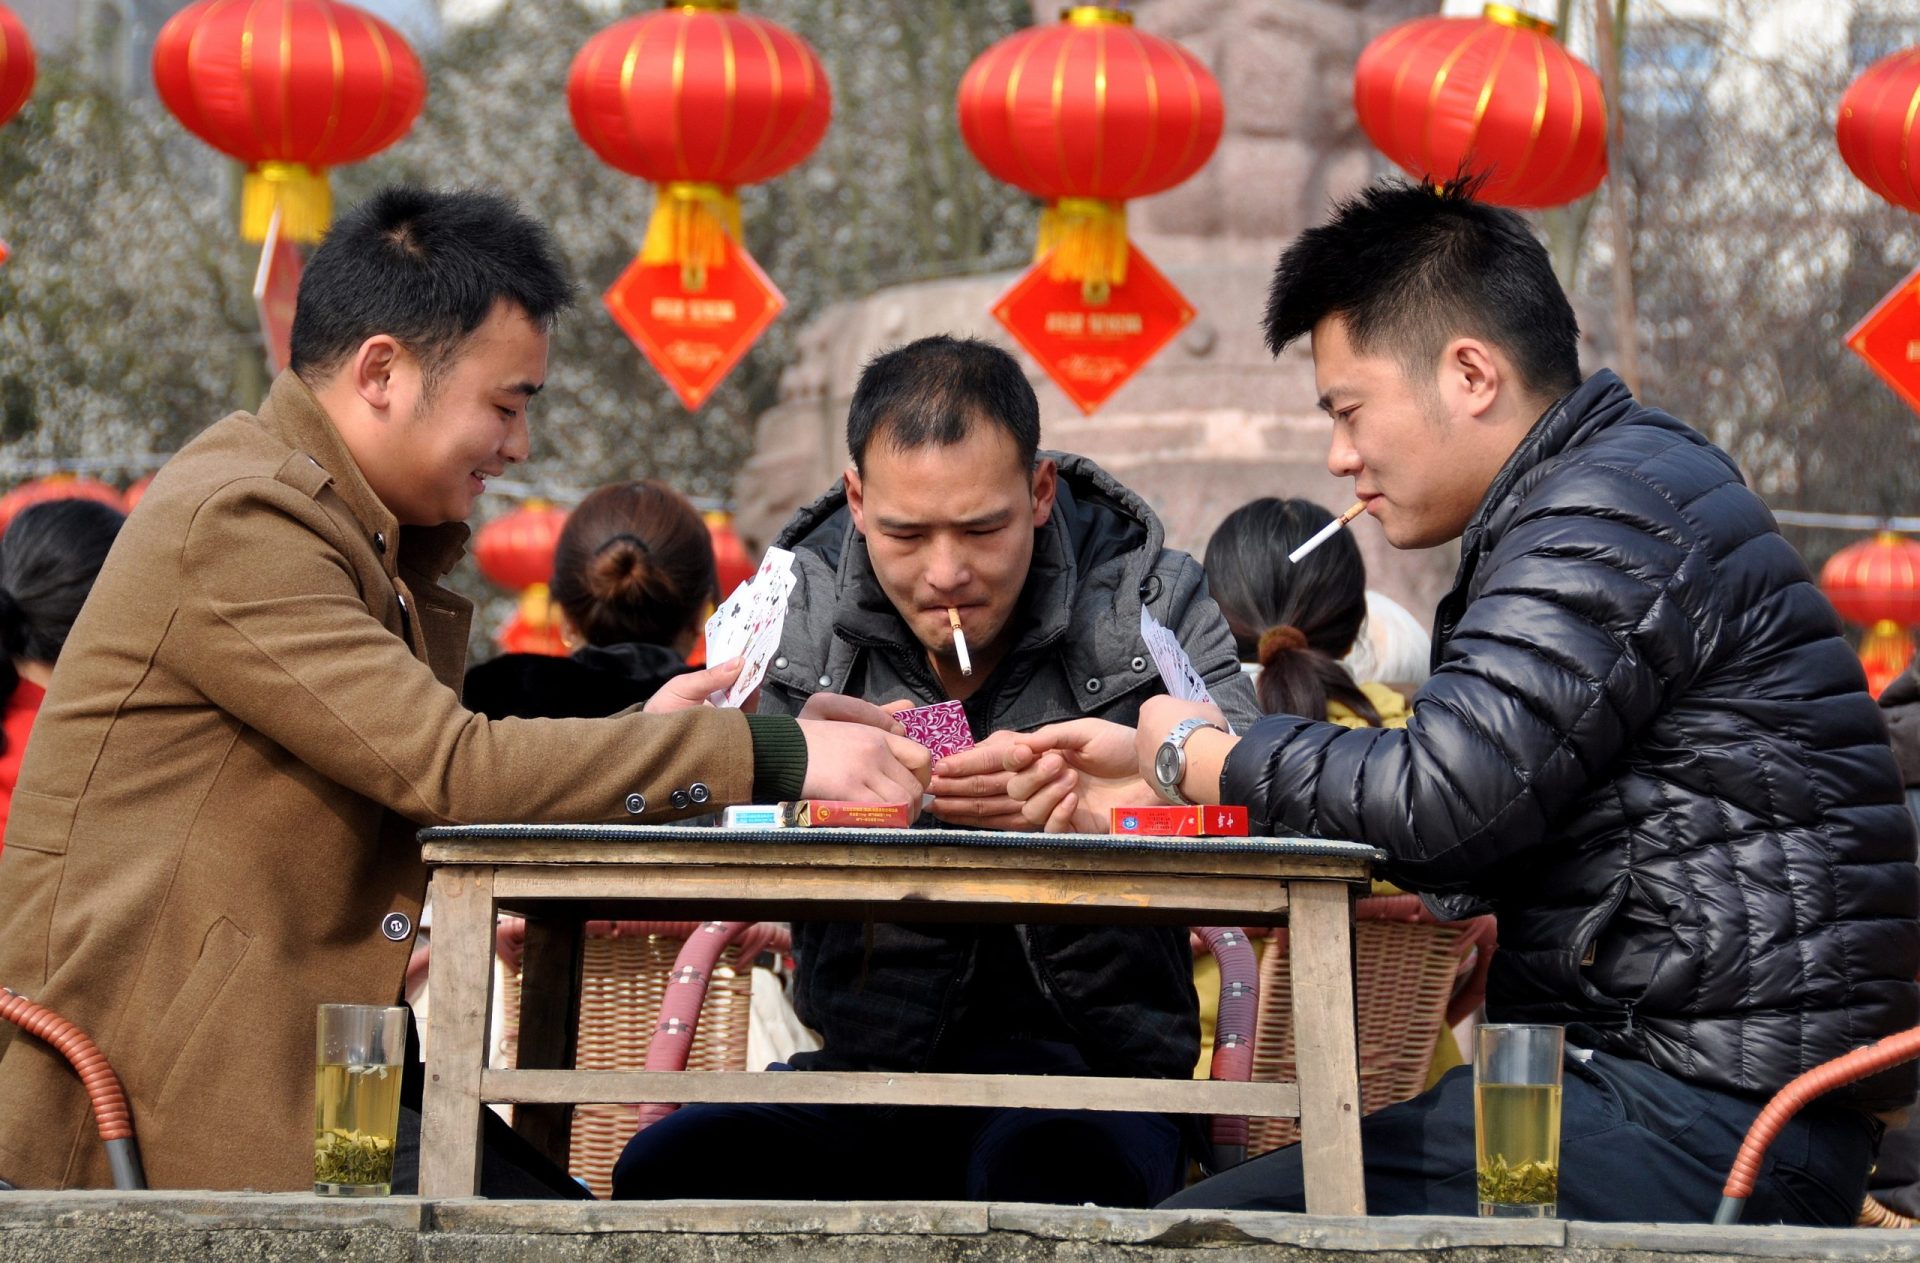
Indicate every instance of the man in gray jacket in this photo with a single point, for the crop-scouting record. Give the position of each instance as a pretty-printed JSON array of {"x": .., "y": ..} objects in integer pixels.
[{"x": 949, "y": 505}]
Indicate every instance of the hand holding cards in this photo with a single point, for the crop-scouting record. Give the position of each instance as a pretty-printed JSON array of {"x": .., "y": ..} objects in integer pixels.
[{"x": 748, "y": 625}]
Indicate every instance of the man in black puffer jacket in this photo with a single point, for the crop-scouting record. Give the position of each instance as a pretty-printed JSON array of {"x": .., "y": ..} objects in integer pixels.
[{"x": 1644, "y": 745}]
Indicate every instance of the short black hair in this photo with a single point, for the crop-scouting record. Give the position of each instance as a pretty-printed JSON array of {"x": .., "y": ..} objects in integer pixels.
[
  {"x": 1409, "y": 267},
  {"x": 934, "y": 390},
  {"x": 425, "y": 267}
]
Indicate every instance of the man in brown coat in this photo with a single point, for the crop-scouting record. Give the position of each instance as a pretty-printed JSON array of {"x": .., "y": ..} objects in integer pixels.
[{"x": 213, "y": 831}]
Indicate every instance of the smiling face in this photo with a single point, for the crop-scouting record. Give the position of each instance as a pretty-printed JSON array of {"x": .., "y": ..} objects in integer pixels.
[
  {"x": 441, "y": 440},
  {"x": 952, "y": 527},
  {"x": 1421, "y": 453}
]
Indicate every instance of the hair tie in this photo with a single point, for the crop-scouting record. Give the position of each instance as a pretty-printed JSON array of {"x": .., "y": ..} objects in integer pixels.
[{"x": 1278, "y": 640}]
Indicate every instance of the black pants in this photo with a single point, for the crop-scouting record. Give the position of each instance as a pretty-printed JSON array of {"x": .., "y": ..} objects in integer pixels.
[
  {"x": 1636, "y": 1145},
  {"x": 856, "y": 1152}
]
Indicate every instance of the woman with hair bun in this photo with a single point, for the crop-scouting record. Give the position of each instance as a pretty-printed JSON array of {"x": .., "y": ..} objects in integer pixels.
[
  {"x": 49, "y": 557},
  {"x": 633, "y": 577},
  {"x": 1297, "y": 620}
]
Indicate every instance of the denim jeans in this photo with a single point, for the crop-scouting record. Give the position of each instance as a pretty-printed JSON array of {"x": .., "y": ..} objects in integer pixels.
[{"x": 1636, "y": 1145}]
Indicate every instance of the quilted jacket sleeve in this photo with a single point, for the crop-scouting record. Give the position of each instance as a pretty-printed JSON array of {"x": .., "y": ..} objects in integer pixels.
[{"x": 1578, "y": 636}]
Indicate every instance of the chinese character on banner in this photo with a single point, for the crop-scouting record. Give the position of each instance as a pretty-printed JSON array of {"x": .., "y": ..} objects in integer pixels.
[
  {"x": 1888, "y": 339},
  {"x": 694, "y": 337},
  {"x": 276, "y": 287},
  {"x": 1091, "y": 349}
]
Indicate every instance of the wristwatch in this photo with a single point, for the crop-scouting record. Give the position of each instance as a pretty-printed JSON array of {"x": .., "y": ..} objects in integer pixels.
[{"x": 1170, "y": 763}]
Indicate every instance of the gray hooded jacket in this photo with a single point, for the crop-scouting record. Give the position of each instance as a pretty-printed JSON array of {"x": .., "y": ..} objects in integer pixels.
[{"x": 884, "y": 997}]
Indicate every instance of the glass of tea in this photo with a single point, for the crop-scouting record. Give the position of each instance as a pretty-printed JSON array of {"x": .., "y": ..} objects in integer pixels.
[
  {"x": 356, "y": 1098},
  {"x": 1516, "y": 1119}
]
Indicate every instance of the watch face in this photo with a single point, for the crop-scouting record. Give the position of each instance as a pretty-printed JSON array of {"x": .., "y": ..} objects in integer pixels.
[{"x": 1166, "y": 765}]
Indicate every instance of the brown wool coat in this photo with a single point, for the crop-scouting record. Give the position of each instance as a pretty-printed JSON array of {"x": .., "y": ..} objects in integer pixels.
[{"x": 257, "y": 708}]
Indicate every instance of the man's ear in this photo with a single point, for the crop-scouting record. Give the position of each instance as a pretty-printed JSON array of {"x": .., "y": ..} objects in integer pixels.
[
  {"x": 1046, "y": 487},
  {"x": 856, "y": 501},
  {"x": 372, "y": 370},
  {"x": 1471, "y": 377}
]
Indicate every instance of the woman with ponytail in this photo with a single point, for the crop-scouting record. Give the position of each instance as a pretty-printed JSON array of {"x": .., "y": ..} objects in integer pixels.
[
  {"x": 49, "y": 558},
  {"x": 1295, "y": 621},
  {"x": 633, "y": 577}
]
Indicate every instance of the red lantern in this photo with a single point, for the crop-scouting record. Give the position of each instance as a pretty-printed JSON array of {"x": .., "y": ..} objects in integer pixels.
[
  {"x": 137, "y": 491},
  {"x": 699, "y": 99},
  {"x": 289, "y": 87},
  {"x": 1876, "y": 583},
  {"x": 16, "y": 65},
  {"x": 1495, "y": 95},
  {"x": 1086, "y": 114},
  {"x": 56, "y": 487},
  {"x": 515, "y": 550},
  {"x": 1876, "y": 129}
]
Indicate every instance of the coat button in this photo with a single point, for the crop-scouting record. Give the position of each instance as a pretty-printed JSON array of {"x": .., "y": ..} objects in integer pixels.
[
  {"x": 1138, "y": 664},
  {"x": 636, "y": 803},
  {"x": 380, "y": 542},
  {"x": 826, "y": 681},
  {"x": 397, "y": 926},
  {"x": 781, "y": 663},
  {"x": 1093, "y": 686},
  {"x": 680, "y": 799},
  {"x": 700, "y": 794}
]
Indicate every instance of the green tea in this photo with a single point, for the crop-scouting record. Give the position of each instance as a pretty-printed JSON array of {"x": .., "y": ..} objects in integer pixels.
[
  {"x": 356, "y": 1112},
  {"x": 1517, "y": 1139}
]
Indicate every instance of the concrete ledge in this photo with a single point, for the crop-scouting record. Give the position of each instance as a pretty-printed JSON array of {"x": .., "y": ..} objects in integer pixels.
[{"x": 103, "y": 1227}]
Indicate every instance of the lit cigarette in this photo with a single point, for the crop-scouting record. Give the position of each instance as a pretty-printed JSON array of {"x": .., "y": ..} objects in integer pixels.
[
  {"x": 1326, "y": 532},
  {"x": 960, "y": 642}
]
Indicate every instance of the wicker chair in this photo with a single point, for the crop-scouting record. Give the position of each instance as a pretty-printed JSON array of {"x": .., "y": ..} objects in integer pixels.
[
  {"x": 654, "y": 995},
  {"x": 1414, "y": 977}
]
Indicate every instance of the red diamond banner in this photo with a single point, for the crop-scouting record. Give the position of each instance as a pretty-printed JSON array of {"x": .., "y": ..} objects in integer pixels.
[
  {"x": 1092, "y": 349},
  {"x": 694, "y": 337},
  {"x": 1888, "y": 339},
  {"x": 276, "y": 290}
]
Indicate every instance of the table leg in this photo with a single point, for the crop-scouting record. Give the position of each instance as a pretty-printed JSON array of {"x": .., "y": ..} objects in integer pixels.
[
  {"x": 461, "y": 982},
  {"x": 1320, "y": 947},
  {"x": 549, "y": 1025}
]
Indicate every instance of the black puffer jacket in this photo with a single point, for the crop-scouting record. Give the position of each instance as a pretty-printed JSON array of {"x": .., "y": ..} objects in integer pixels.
[{"x": 1646, "y": 746}]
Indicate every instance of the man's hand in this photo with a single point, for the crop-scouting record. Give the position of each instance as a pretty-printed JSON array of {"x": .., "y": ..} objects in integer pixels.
[
  {"x": 856, "y": 762},
  {"x": 1056, "y": 791},
  {"x": 691, "y": 689},
  {"x": 970, "y": 786},
  {"x": 840, "y": 707}
]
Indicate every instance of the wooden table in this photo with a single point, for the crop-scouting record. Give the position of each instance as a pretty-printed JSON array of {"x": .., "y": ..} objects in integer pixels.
[{"x": 560, "y": 875}]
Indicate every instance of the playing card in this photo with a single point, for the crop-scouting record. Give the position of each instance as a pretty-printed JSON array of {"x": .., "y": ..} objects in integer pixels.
[
  {"x": 941, "y": 728},
  {"x": 748, "y": 625},
  {"x": 1170, "y": 656}
]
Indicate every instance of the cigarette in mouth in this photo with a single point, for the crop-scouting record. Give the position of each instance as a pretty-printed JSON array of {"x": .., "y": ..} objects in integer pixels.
[
  {"x": 1326, "y": 532},
  {"x": 960, "y": 642}
]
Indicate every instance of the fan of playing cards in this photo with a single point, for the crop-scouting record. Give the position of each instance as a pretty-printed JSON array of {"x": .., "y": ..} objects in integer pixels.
[{"x": 748, "y": 625}]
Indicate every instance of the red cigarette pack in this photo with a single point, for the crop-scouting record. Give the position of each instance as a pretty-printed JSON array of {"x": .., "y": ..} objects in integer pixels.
[
  {"x": 821, "y": 813},
  {"x": 1181, "y": 822}
]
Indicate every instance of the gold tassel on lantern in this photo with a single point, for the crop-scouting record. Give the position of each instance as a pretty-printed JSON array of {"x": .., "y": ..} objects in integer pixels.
[
  {"x": 690, "y": 226},
  {"x": 302, "y": 194},
  {"x": 1885, "y": 651},
  {"x": 1088, "y": 239}
]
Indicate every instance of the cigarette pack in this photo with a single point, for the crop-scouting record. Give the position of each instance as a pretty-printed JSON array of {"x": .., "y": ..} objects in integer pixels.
[
  {"x": 1181, "y": 822},
  {"x": 762, "y": 817},
  {"x": 819, "y": 813}
]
